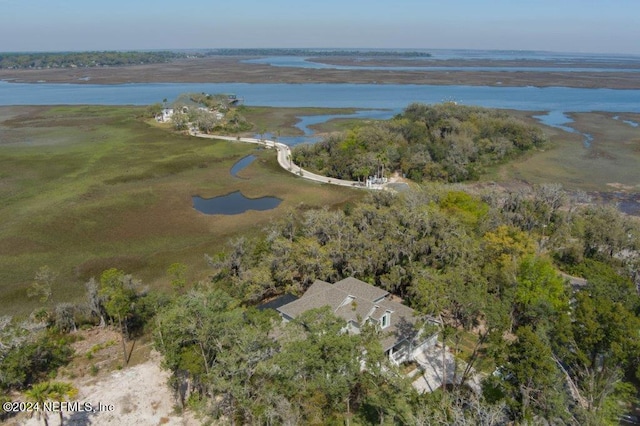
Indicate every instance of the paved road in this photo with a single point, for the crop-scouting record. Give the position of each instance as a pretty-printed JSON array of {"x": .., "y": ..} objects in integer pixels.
[{"x": 284, "y": 159}]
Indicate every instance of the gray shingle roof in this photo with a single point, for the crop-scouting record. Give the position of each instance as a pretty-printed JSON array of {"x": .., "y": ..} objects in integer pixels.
[
  {"x": 318, "y": 286},
  {"x": 355, "y": 300},
  {"x": 360, "y": 289},
  {"x": 355, "y": 311},
  {"x": 329, "y": 297},
  {"x": 402, "y": 324}
]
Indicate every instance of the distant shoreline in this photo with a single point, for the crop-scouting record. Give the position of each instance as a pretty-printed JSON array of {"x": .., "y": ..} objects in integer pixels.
[{"x": 227, "y": 69}]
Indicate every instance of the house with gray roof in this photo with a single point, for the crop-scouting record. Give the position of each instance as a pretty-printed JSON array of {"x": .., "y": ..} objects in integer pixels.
[{"x": 358, "y": 303}]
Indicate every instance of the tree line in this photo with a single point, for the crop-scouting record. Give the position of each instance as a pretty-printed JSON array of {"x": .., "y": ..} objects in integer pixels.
[
  {"x": 489, "y": 263},
  {"x": 198, "y": 110},
  {"x": 445, "y": 142},
  {"x": 83, "y": 59},
  {"x": 318, "y": 53}
]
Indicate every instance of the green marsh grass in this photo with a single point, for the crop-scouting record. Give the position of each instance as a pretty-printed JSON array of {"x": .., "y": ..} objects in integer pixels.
[
  {"x": 88, "y": 188},
  {"x": 609, "y": 163},
  {"x": 272, "y": 120}
]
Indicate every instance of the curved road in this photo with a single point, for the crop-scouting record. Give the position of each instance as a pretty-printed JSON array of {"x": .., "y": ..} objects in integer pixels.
[{"x": 284, "y": 159}]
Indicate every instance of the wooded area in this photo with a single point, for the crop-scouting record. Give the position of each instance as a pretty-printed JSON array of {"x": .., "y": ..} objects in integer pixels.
[
  {"x": 444, "y": 142},
  {"x": 487, "y": 265}
]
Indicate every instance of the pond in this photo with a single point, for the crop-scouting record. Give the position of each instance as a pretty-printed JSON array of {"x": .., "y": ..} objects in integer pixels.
[
  {"x": 241, "y": 164},
  {"x": 233, "y": 203}
]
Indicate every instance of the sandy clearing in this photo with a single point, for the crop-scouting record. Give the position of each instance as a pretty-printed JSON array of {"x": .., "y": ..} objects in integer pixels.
[{"x": 139, "y": 396}]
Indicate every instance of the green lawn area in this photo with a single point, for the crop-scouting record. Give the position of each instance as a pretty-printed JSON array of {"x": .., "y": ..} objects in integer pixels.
[
  {"x": 465, "y": 344},
  {"x": 88, "y": 188}
]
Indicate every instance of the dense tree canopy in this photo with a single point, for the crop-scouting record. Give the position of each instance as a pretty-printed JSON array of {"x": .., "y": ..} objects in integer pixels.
[
  {"x": 486, "y": 264},
  {"x": 445, "y": 142},
  {"x": 482, "y": 263}
]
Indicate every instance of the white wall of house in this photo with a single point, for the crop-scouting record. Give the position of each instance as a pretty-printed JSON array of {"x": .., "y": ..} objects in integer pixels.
[
  {"x": 425, "y": 346},
  {"x": 166, "y": 115},
  {"x": 397, "y": 355}
]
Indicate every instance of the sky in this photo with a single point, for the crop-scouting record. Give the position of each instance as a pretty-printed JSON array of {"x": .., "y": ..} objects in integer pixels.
[{"x": 585, "y": 26}]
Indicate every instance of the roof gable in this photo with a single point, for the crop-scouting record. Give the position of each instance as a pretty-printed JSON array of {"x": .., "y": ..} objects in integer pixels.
[
  {"x": 356, "y": 301},
  {"x": 360, "y": 289},
  {"x": 317, "y": 287},
  {"x": 333, "y": 299},
  {"x": 350, "y": 298}
]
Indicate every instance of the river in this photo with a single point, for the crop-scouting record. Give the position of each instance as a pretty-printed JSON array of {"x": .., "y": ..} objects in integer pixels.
[
  {"x": 370, "y": 96},
  {"x": 305, "y": 62},
  {"x": 555, "y": 101}
]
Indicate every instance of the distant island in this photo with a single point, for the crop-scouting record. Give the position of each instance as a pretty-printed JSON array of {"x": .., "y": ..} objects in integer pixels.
[
  {"x": 83, "y": 59},
  {"x": 355, "y": 66},
  {"x": 318, "y": 53},
  {"x": 40, "y": 60}
]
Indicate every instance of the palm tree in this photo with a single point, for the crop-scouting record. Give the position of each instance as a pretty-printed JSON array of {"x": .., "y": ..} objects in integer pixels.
[
  {"x": 46, "y": 391},
  {"x": 61, "y": 391},
  {"x": 39, "y": 393}
]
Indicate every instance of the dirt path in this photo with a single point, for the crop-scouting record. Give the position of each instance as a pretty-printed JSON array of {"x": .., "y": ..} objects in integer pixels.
[{"x": 136, "y": 395}]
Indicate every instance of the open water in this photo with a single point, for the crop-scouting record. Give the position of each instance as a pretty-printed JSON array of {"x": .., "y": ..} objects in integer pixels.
[
  {"x": 379, "y": 101},
  {"x": 393, "y": 97},
  {"x": 233, "y": 203},
  {"x": 414, "y": 65}
]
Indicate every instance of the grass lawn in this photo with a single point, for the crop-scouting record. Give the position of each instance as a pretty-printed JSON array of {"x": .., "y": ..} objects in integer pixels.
[
  {"x": 86, "y": 188},
  {"x": 465, "y": 344}
]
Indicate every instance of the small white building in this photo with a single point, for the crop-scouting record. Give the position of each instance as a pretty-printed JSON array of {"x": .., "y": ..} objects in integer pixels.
[{"x": 165, "y": 115}]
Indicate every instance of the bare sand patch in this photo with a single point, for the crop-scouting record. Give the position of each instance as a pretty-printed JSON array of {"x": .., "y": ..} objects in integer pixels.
[
  {"x": 135, "y": 395},
  {"x": 139, "y": 396},
  {"x": 622, "y": 187}
]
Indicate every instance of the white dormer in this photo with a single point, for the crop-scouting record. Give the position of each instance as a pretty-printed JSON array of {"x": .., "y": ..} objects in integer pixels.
[
  {"x": 385, "y": 320},
  {"x": 347, "y": 300}
]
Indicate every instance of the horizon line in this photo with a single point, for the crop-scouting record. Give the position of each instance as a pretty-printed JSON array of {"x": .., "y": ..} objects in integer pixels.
[{"x": 357, "y": 49}]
